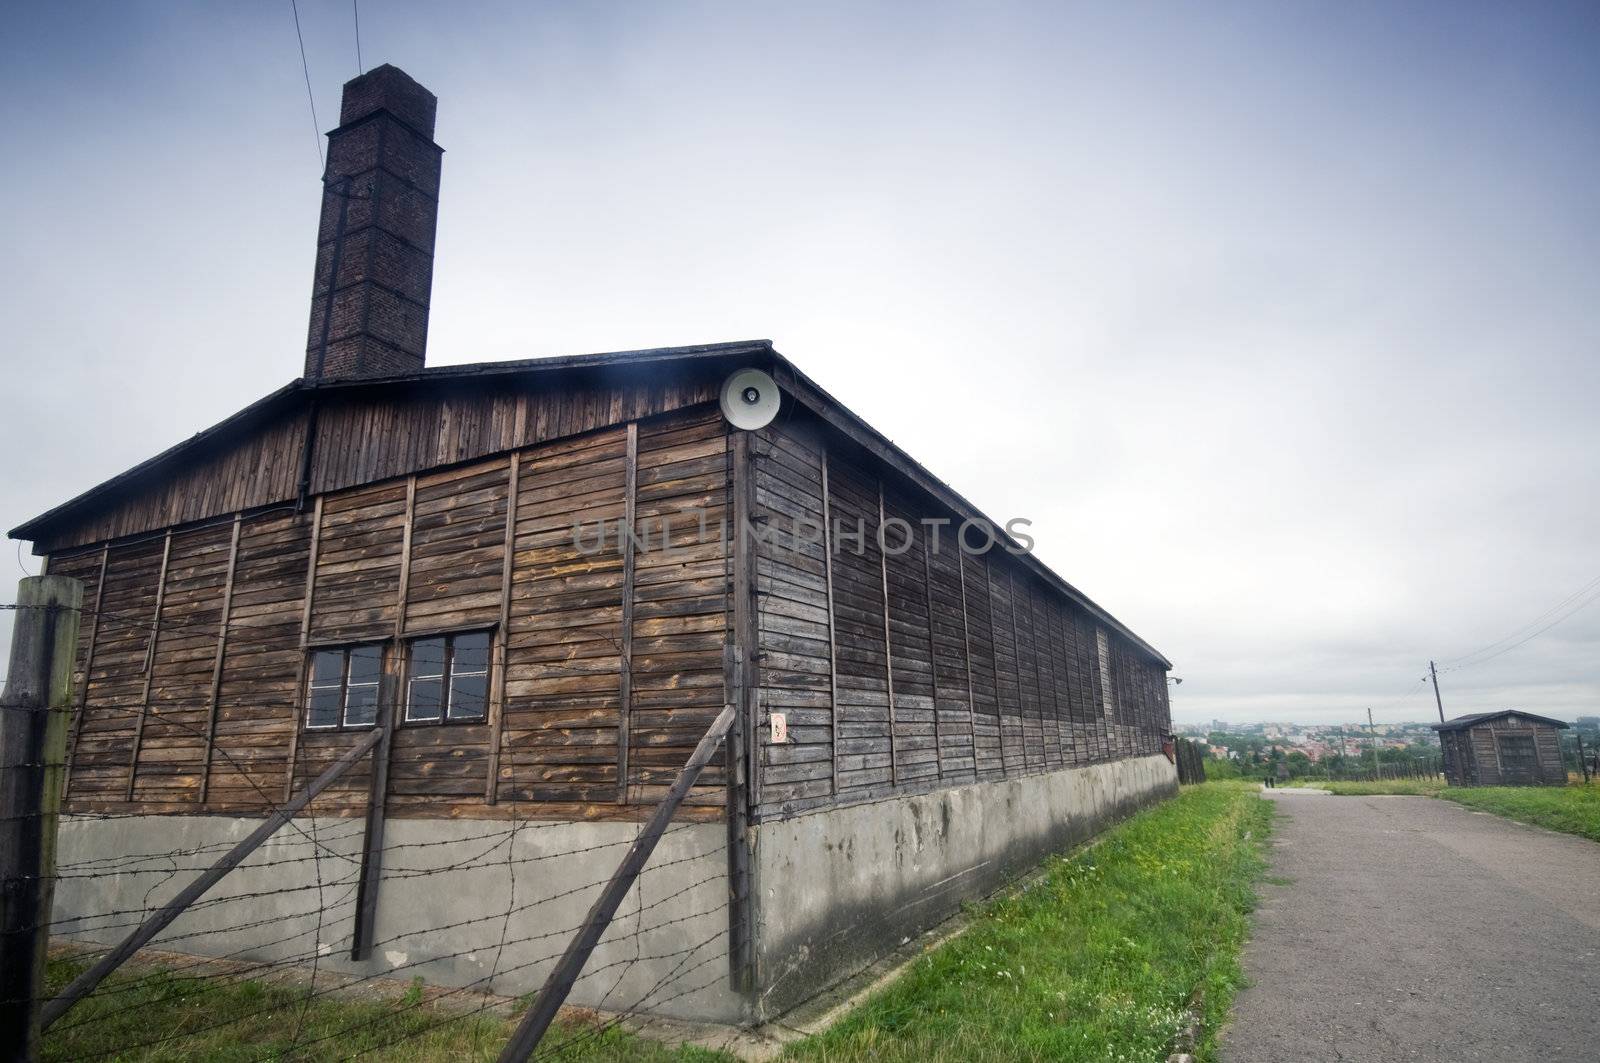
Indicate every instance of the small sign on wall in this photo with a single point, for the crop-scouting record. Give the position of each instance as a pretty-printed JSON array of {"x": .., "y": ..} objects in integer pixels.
[{"x": 780, "y": 728}]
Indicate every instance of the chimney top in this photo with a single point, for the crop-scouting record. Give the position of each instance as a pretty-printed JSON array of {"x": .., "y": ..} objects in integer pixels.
[
  {"x": 380, "y": 205},
  {"x": 388, "y": 88}
]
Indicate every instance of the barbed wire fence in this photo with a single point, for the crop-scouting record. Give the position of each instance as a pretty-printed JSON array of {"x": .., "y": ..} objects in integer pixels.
[{"x": 280, "y": 914}]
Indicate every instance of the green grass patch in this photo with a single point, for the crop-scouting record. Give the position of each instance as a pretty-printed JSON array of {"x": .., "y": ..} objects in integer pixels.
[
  {"x": 1099, "y": 959},
  {"x": 154, "y": 1014},
  {"x": 1569, "y": 809}
]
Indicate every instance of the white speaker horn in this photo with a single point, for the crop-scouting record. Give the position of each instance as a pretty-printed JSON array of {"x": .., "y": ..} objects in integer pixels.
[{"x": 749, "y": 399}]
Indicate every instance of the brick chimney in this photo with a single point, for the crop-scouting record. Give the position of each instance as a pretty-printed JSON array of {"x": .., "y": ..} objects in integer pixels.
[{"x": 380, "y": 204}]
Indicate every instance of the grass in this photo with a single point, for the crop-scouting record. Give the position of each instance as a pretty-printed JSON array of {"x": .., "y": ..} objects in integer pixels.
[
  {"x": 1100, "y": 959},
  {"x": 1570, "y": 809},
  {"x": 154, "y": 1014}
]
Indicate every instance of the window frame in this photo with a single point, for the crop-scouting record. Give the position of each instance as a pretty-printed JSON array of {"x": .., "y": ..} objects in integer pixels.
[
  {"x": 446, "y": 677},
  {"x": 346, "y": 650}
]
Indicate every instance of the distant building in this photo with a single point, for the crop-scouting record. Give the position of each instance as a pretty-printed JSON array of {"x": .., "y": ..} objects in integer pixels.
[{"x": 1506, "y": 748}]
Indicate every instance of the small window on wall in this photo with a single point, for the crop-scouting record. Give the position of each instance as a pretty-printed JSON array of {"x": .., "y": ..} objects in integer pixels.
[
  {"x": 344, "y": 688},
  {"x": 447, "y": 678}
]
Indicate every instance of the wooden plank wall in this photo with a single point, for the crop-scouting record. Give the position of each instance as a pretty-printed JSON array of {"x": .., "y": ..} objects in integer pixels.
[
  {"x": 898, "y": 670},
  {"x": 949, "y": 666},
  {"x": 257, "y": 702},
  {"x": 795, "y": 637},
  {"x": 193, "y": 663},
  {"x": 1478, "y": 754}
]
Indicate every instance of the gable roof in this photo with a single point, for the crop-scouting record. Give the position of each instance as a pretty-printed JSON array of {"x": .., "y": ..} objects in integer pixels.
[
  {"x": 293, "y": 397},
  {"x": 1461, "y": 723}
]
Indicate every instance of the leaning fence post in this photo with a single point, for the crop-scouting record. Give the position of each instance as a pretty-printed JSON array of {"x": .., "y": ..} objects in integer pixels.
[
  {"x": 33, "y": 753},
  {"x": 85, "y": 983},
  {"x": 543, "y": 1010}
]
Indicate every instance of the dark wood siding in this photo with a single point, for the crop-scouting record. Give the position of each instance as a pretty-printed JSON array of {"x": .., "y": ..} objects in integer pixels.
[
  {"x": 896, "y": 669},
  {"x": 364, "y": 436},
  {"x": 794, "y": 626},
  {"x": 194, "y": 661},
  {"x": 1495, "y": 752},
  {"x": 950, "y": 666}
]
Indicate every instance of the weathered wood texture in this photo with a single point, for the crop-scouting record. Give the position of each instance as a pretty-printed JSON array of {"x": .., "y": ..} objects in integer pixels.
[
  {"x": 365, "y": 436},
  {"x": 201, "y": 627},
  {"x": 948, "y": 666},
  {"x": 600, "y": 563},
  {"x": 1512, "y": 750}
]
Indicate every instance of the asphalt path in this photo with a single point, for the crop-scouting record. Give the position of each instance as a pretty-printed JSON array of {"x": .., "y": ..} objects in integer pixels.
[{"x": 1410, "y": 928}]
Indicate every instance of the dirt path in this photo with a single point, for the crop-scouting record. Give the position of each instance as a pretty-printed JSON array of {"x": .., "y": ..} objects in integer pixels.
[{"x": 1415, "y": 929}]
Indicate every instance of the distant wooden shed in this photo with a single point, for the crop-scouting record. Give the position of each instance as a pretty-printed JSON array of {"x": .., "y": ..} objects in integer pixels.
[{"x": 1506, "y": 748}]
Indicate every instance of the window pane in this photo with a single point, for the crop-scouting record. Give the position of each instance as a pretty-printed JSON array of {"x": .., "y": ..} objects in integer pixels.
[
  {"x": 469, "y": 696},
  {"x": 424, "y": 701},
  {"x": 365, "y": 664},
  {"x": 327, "y": 668},
  {"x": 361, "y": 704},
  {"x": 427, "y": 657},
  {"x": 323, "y": 710},
  {"x": 471, "y": 652}
]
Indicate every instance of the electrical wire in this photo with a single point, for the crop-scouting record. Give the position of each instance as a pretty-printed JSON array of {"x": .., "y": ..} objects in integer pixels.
[
  {"x": 1592, "y": 586},
  {"x": 355, "y": 6},
  {"x": 305, "y": 67}
]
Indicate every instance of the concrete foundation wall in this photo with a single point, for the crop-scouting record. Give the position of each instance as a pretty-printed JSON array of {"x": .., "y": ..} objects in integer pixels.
[
  {"x": 452, "y": 892},
  {"x": 837, "y": 888}
]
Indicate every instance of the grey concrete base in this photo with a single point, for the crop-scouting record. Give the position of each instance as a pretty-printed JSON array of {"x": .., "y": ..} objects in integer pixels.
[
  {"x": 837, "y": 888},
  {"x": 480, "y": 904},
  {"x": 489, "y": 905}
]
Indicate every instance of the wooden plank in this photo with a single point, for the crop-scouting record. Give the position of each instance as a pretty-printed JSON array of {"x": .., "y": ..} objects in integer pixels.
[
  {"x": 625, "y": 648},
  {"x": 88, "y": 668},
  {"x": 888, "y": 640},
  {"x": 833, "y": 645},
  {"x": 149, "y": 665},
  {"x": 371, "y": 875},
  {"x": 966, "y": 642},
  {"x": 216, "y": 665},
  {"x": 933, "y": 659},
  {"x": 405, "y": 557},
  {"x": 744, "y": 618},
  {"x": 305, "y": 638},
  {"x": 503, "y": 635}
]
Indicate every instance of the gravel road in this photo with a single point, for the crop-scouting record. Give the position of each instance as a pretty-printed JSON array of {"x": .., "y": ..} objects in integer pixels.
[{"x": 1415, "y": 929}]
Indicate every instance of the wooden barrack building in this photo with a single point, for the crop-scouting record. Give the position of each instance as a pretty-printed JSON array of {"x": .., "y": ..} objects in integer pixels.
[
  {"x": 549, "y": 576},
  {"x": 1506, "y": 748}
]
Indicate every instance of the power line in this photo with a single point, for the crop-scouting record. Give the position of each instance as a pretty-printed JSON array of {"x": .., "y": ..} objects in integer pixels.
[
  {"x": 1533, "y": 635},
  {"x": 1588, "y": 588},
  {"x": 316, "y": 126},
  {"x": 361, "y": 68}
]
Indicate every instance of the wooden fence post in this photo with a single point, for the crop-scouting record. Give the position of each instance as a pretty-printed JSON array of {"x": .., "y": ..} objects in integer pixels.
[
  {"x": 85, "y": 983},
  {"x": 542, "y": 1012},
  {"x": 33, "y": 753}
]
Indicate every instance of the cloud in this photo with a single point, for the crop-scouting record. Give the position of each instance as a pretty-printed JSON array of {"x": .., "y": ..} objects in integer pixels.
[{"x": 1279, "y": 323}]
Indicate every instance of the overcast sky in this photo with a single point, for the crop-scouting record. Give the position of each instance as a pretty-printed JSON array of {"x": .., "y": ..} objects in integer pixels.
[{"x": 1281, "y": 321}]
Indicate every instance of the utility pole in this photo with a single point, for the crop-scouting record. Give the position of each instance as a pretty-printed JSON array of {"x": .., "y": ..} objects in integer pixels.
[
  {"x": 33, "y": 753},
  {"x": 1434, "y": 672},
  {"x": 1372, "y": 734}
]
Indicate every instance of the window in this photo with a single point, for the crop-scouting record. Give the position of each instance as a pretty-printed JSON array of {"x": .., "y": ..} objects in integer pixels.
[
  {"x": 344, "y": 688},
  {"x": 448, "y": 678}
]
